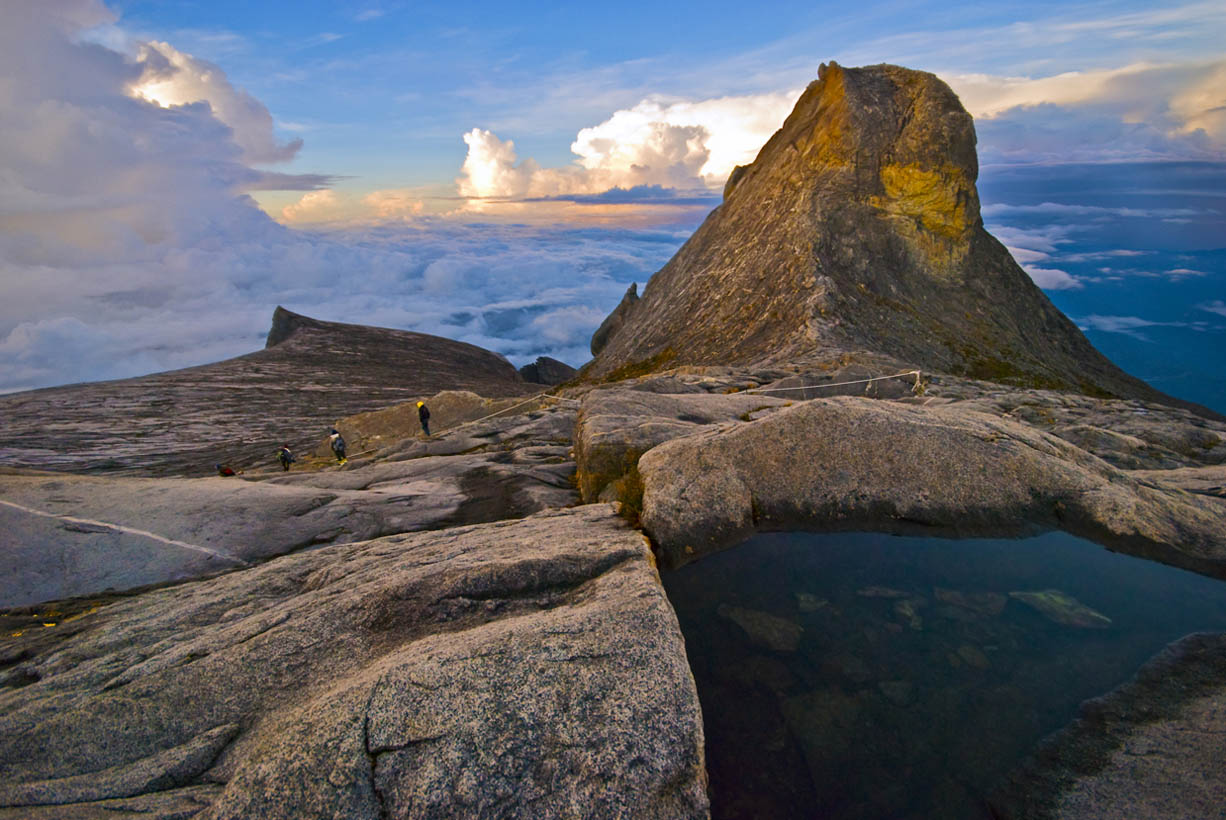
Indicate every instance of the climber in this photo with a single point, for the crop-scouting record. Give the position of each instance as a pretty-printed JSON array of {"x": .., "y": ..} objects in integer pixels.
[
  {"x": 225, "y": 470},
  {"x": 286, "y": 457},
  {"x": 338, "y": 445},
  {"x": 423, "y": 414}
]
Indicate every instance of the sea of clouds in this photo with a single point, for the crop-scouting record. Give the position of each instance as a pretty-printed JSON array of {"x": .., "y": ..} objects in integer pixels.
[{"x": 129, "y": 242}]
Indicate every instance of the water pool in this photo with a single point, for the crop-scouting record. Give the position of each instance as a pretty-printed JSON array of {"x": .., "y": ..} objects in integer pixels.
[{"x": 861, "y": 675}]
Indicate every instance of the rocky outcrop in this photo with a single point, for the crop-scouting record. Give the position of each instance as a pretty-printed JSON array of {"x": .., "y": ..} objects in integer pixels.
[
  {"x": 846, "y": 463},
  {"x": 241, "y": 410},
  {"x": 513, "y": 669},
  {"x": 1151, "y": 748},
  {"x": 858, "y": 228},
  {"x": 613, "y": 322},
  {"x": 549, "y": 371}
]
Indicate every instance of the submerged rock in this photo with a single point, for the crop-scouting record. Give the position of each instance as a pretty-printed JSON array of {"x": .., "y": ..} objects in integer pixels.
[
  {"x": 764, "y": 629},
  {"x": 1062, "y": 608},
  {"x": 880, "y": 592},
  {"x": 988, "y": 604}
]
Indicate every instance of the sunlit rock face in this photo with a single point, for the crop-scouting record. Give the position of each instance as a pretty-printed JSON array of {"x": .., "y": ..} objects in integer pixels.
[{"x": 858, "y": 228}]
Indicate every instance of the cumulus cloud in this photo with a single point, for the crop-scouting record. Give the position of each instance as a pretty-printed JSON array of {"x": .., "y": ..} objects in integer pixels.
[
  {"x": 169, "y": 77},
  {"x": 673, "y": 144}
]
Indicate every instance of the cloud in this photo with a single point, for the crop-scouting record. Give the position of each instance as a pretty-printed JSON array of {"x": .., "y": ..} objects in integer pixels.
[
  {"x": 314, "y": 207},
  {"x": 1128, "y": 325},
  {"x": 1140, "y": 111},
  {"x": 1216, "y": 306},
  {"x": 127, "y": 244},
  {"x": 658, "y": 143},
  {"x": 171, "y": 78},
  {"x": 1052, "y": 278}
]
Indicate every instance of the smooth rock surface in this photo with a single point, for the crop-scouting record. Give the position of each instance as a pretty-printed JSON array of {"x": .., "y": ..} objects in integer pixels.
[
  {"x": 850, "y": 463},
  {"x": 616, "y": 426},
  {"x": 528, "y": 668}
]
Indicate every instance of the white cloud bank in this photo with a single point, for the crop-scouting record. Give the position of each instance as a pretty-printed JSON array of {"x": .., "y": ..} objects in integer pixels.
[{"x": 128, "y": 245}]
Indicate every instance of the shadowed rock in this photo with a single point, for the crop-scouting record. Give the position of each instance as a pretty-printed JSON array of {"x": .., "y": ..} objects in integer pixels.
[
  {"x": 69, "y": 536},
  {"x": 613, "y": 322},
  {"x": 547, "y": 371},
  {"x": 858, "y": 228},
  {"x": 531, "y": 668},
  {"x": 1151, "y": 748}
]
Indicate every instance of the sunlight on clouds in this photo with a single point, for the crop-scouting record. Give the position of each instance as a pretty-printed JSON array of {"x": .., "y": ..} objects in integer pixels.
[
  {"x": 315, "y": 206},
  {"x": 171, "y": 77},
  {"x": 1138, "y": 111},
  {"x": 707, "y": 138},
  {"x": 680, "y": 145}
]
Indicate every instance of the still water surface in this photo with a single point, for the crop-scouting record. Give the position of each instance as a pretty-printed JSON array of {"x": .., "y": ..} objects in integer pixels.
[{"x": 862, "y": 675}]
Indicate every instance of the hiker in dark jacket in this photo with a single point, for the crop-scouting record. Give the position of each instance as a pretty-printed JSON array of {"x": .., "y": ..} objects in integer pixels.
[
  {"x": 286, "y": 457},
  {"x": 423, "y": 415},
  {"x": 338, "y": 445}
]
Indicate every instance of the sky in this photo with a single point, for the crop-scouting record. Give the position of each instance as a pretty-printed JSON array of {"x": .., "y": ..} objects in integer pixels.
[{"x": 172, "y": 170}]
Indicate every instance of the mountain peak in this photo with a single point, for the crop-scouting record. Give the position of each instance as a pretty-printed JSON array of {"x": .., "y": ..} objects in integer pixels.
[{"x": 857, "y": 229}]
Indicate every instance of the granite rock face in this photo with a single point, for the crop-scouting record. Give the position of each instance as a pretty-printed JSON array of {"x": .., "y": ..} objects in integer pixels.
[
  {"x": 858, "y": 228},
  {"x": 850, "y": 463},
  {"x": 528, "y": 668},
  {"x": 239, "y": 411}
]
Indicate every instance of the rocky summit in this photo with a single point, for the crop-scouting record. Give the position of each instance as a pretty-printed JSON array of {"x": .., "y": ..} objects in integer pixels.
[
  {"x": 470, "y": 622},
  {"x": 241, "y": 410},
  {"x": 857, "y": 228}
]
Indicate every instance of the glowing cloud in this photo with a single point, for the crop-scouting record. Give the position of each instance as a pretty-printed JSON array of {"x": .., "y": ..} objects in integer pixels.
[
  {"x": 170, "y": 77},
  {"x": 678, "y": 144}
]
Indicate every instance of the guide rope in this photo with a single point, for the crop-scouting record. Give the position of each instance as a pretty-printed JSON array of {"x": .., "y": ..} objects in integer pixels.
[{"x": 917, "y": 388}]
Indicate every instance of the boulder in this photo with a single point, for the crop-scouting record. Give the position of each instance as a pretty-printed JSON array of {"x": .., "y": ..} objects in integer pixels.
[
  {"x": 851, "y": 463},
  {"x": 509, "y": 669},
  {"x": 615, "y": 426}
]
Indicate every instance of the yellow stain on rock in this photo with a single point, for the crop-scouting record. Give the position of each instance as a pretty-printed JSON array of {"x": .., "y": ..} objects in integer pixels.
[{"x": 934, "y": 208}]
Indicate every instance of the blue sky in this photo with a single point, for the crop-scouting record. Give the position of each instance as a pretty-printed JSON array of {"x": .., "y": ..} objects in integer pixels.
[{"x": 170, "y": 171}]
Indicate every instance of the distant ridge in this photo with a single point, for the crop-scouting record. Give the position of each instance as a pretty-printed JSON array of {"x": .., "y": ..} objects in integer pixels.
[
  {"x": 857, "y": 229},
  {"x": 181, "y": 422}
]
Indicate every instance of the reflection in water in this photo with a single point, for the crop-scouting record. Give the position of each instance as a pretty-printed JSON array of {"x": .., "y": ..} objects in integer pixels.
[{"x": 861, "y": 675}]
